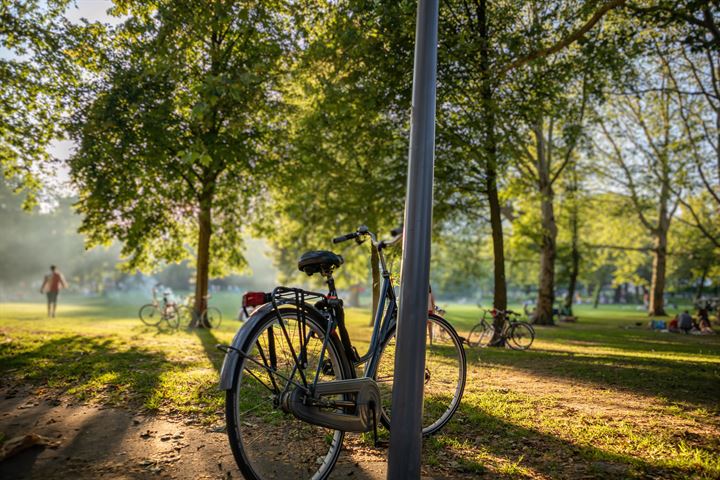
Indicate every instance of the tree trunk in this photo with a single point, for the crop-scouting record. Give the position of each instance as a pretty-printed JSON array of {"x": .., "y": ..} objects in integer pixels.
[
  {"x": 546, "y": 286},
  {"x": 375, "y": 268},
  {"x": 500, "y": 290},
  {"x": 701, "y": 285},
  {"x": 491, "y": 170},
  {"x": 618, "y": 294},
  {"x": 202, "y": 267},
  {"x": 574, "y": 258},
  {"x": 657, "y": 284},
  {"x": 354, "y": 300},
  {"x": 596, "y": 295}
]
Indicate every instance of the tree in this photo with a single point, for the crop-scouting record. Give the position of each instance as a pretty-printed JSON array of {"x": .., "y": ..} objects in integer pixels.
[
  {"x": 648, "y": 158},
  {"x": 176, "y": 142},
  {"x": 492, "y": 48},
  {"x": 38, "y": 76}
]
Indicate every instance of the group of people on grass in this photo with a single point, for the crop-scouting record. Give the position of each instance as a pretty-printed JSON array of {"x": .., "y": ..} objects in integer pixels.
[{"x": 686, "y": 323}]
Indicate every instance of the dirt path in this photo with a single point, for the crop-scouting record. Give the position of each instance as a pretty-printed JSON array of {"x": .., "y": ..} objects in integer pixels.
[{"x": 101, "y": 442}]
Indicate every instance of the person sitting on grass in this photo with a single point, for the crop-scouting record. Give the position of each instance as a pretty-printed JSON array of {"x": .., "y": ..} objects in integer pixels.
[
  {"x": 673, "y": 325},
  {"x": 704, "y": 321},
  {"x": 52, "y": 283},
  {"x": 685, "y": 322}
]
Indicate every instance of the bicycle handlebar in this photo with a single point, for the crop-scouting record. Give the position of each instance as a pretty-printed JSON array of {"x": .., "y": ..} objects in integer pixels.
[
  {"x": 346, "y": 237},
  {"x": 495, "y": 311},
  {"x": 363, "y": 230}
]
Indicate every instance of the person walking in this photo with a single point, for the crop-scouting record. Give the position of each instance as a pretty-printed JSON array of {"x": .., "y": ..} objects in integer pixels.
[{"x": 52, "y": 283}]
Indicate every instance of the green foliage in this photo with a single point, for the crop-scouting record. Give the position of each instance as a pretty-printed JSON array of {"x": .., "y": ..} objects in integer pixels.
[
  {"x": 182, "y": 122},
  {"x": 38, "y": 76}
]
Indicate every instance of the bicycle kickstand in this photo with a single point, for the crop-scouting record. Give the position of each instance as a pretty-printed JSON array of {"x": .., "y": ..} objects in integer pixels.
[{"x": 376, "y": 440}]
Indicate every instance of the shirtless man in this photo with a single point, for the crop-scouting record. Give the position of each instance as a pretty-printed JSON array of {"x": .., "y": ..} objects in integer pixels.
[{"x": 52, "y": 283}]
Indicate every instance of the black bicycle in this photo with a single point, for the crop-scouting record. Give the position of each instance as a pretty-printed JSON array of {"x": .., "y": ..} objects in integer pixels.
[
  {"x": 516, "y": 334},
  {"x": 294, "y": 383}
]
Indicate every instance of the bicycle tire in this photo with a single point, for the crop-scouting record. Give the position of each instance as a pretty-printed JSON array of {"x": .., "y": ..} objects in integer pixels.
[
  {"x": 149, "y": 315},
  {"x": 172, "y": 316},
  {"x": 478, "y": 336},
  {"x": 212, "y": 317},
  {"x": 186, "y": 316},
  {"x": 261, "y": 435},
  {"x": 443, "y": 380},
  {"x": 520, "y": 336}
]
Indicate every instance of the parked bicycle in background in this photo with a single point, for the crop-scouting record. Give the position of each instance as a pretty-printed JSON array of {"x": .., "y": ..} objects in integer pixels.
[
  {"x": 152, "y": 314},
  {"x": 210, "y": 317},
  {"x": 516, "y": 334}
]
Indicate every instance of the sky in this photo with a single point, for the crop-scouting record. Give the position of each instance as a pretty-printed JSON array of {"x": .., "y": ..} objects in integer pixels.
[{"x": 93, "y": 11}]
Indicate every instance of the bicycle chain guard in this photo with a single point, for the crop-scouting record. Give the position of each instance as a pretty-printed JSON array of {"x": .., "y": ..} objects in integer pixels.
[{"x": 363, "y": 393}]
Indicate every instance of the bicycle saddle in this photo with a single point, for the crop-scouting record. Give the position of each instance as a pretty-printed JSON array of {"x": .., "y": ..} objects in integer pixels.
[{"x": 318, "y": 261}]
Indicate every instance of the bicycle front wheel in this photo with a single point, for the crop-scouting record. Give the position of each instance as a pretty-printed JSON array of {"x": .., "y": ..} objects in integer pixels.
[
  {"x": 266, "y": 441},
  {"x": 445, "y": 371},
  {"x": 149, "y": 315},
  {"x": 520, "y": 336},
  {"x": 212, "y": 317},
  {"x": 480, "y": 335}
]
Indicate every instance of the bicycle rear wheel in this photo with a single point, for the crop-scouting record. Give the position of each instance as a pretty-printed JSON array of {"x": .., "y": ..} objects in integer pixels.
[
  {"x": 520, "y": 336},
  {"x": 212, "y": 317},
  {"x": 266, "y": 441},
  {"x": 172, "y": 316},
  {"x": 186, "y": 316},
  {"x": 150, "y": 315},
  {"x": 445, "y": 371}
]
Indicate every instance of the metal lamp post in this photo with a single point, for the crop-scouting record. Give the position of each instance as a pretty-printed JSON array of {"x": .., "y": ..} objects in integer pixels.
[{"x": 407, "y": 399}]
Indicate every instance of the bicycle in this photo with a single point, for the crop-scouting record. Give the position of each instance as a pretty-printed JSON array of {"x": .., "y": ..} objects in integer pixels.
[
  {"x": 516, "y": 334},
  {"x": 292, "y": 380},
  {"x": 211, "y": 316},
  {"x": 152, "y": 314}
]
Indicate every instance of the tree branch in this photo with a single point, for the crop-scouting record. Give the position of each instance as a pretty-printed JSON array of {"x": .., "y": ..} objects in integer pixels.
[{"x": 565, "y": 42}]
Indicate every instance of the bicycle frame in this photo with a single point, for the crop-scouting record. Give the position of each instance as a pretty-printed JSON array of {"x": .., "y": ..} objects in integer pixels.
[{"x": 382, "y": 326}]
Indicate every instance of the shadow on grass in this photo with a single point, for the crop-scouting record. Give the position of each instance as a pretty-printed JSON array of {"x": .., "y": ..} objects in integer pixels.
[
  {"x": 84, "y": 366},
  {"x": 529, "y": 451},
  {"x": 695, "y": 383},
  {"x": 209, "y": 340}
]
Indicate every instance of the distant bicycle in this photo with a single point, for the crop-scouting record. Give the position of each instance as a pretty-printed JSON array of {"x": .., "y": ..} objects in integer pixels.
[
  {"x": 152, "y": 314},
  {"x": 211, "y": 316},
  {"x": 516, "y": 334}
]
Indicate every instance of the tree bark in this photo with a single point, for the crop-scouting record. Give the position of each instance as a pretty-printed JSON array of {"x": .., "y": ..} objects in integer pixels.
[
  {"x": 701, "y": 285},
  {"x": 657, "y": 284},
  {"x": 548, "y": 250},
  {"x": 500, "y": 290},
  {"x": 574, "y": 251},
  {"x": 491, "y": 171},
  {"x": 354, "y": 300},
  {"x": 596, "y": 295},
  {"x": 202, "y": 268}
]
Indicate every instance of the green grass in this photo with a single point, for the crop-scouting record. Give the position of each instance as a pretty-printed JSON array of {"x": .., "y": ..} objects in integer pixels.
[{"x": 601, "y": 398}]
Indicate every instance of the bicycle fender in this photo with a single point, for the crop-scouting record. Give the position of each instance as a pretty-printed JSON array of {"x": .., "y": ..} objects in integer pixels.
[
  {"x": 233, "y": 353},
  {"x": 231, "y": 357}
]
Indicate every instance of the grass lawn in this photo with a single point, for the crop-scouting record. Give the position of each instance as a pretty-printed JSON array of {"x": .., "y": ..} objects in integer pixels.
[{"x": 598, "y": 399}]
